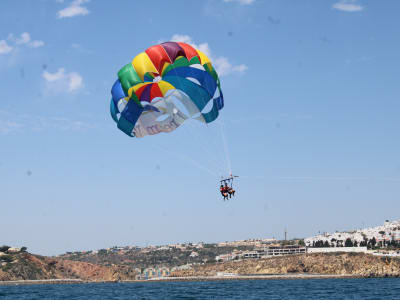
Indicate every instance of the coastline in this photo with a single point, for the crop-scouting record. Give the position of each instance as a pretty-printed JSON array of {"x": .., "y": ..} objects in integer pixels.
[
  {"x": 42, "y": 281},
  {"x": 190, "y": 279}
]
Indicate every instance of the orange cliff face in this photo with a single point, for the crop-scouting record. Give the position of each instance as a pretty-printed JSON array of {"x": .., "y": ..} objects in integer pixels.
[{"x": 26, "y": 266}]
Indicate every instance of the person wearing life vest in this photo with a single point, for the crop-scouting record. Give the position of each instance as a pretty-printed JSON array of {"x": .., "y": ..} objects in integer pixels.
[
  {"x": 231, "y": 192},
  {"x": 224, "y": 191}
]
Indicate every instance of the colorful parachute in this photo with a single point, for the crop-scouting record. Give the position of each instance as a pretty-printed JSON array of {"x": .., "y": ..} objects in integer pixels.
[{"x": 164, "y": 86}]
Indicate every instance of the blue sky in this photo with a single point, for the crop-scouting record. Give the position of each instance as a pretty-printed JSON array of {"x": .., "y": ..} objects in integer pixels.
[{"x": 311, "y": 120}]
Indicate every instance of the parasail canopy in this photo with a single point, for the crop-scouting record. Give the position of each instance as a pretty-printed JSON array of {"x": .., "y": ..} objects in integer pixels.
[{"x": 164, "y": 86}]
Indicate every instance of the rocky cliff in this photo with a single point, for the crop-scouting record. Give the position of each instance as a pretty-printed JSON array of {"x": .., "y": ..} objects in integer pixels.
[
  {"x": 26, "y": 266},
  {"x": 357, "y": 264}
]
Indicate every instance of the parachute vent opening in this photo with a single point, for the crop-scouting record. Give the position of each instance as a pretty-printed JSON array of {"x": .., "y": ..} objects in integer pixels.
[
  {"x": 216, "y": 94},
  {"x": 157, "y": 79},
  {"x": 193, "y": 80},
  {"x": 208, "y": 107},
  {"x": 197, "y": 66},
  {"x": 122, "y": 104}
]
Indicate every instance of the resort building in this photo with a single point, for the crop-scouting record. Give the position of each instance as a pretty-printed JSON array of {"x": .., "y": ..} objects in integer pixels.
[
  {"x": 262, "y": 253},
  {"x": 390, "y": 231}
]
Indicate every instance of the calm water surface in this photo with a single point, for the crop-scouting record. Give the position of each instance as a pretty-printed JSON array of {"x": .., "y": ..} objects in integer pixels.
[{"x": 382, "y": 288}]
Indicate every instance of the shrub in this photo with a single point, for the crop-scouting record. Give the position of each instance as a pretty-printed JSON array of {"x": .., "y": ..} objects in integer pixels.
[
  {"x": 6, "y": 258},
  {"x": 4, "y": 248}
]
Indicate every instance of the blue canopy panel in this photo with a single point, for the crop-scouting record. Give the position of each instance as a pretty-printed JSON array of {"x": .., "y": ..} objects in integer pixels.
[
  {"x": 196, "y": 93},
  {"x": 129, "y": 117},
  {"x": 117, "y": 92},
  {"x": 126, "y": 122},
  {"x": 220, "y": 100},
  {"x": 212, "y": 114},
  {"x": 113, "y": 111},
  {"x": 206, "y": 80}
]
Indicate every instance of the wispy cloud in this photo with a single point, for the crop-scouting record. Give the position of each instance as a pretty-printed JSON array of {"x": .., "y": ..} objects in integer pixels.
[
  {"x": 74, "y": 9},
  {"x": 36, "y": 44},
  {"x": 221, "y": 63},
  {"x": 80, "y": 48},
  {"x": 4, "y": 47},
  {"x": 243, "y": 2},
  {"x": 60, "y": 81},
  {"x": 8, "y": 126},
  {"x": 347, "y": 6},
  {"x": 20, "y": 123},
  {"x": 23, "y": 40}
]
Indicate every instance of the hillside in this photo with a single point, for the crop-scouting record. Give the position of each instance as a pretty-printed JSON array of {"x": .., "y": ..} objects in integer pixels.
[
  {"x": 150, "y": 257},
  {"x": 26, "y": 266},
  {"x": 357, "y": 264}
]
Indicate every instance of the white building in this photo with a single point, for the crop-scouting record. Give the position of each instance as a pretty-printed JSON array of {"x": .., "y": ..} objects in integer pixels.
[
  {"x": 194, "y": 254},
  {"x": 389, "y": 231},
  {"x": 14, "y": 250}
]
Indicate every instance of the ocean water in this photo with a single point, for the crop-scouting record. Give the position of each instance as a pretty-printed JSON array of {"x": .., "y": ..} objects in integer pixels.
[{"x": 374, "y": 288}]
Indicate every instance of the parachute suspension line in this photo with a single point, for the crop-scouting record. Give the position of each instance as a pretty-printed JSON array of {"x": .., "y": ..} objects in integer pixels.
[
  {"x": 217, "y": 145},
  {"x": 198, "y": 141},
  {"x": 226, "y": 149},
  {"x": 211, "y": 155},
  {"x": 186, "y": 158}
]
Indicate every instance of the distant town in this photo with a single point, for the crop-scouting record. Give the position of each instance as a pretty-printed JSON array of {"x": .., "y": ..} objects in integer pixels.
[{"x": 160, "y": 261}]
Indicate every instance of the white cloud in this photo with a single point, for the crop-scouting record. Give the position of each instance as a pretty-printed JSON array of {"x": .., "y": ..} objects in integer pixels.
[
  {"x": 23, "y": 39},
  {"x": 240, "y": 68},
  {"x": 347, "y": 6},
  {"x": 81, "y": 49},
  {"x": 61, "y": 81},
  {"x": 74, "y": 9},
  {"x": 4, "y": 47},
  {"x": 224, "y": 67},
  {"x": 75, "y": 81},
  {"x": 36, "y": 44},
  {"x": 221, "y": 63},
  {"x": 243, "y": 2},
  {"x": 54, "y": 76}
]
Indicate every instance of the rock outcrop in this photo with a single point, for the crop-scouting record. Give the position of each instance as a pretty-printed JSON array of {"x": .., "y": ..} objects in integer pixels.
[
  {"x": 357, "y": 264},
  {"x": 26, "y": 266}
]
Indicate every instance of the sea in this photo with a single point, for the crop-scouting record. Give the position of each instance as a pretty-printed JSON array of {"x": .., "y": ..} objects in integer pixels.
[{"x": 374, "y": 288}]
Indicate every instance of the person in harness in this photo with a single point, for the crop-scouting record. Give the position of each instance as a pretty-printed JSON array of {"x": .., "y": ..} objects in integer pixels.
[
  {"x": 224, "y": 192},
  {"x": 231, "y": 192},
  {"x": 225, "y": 189}
]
